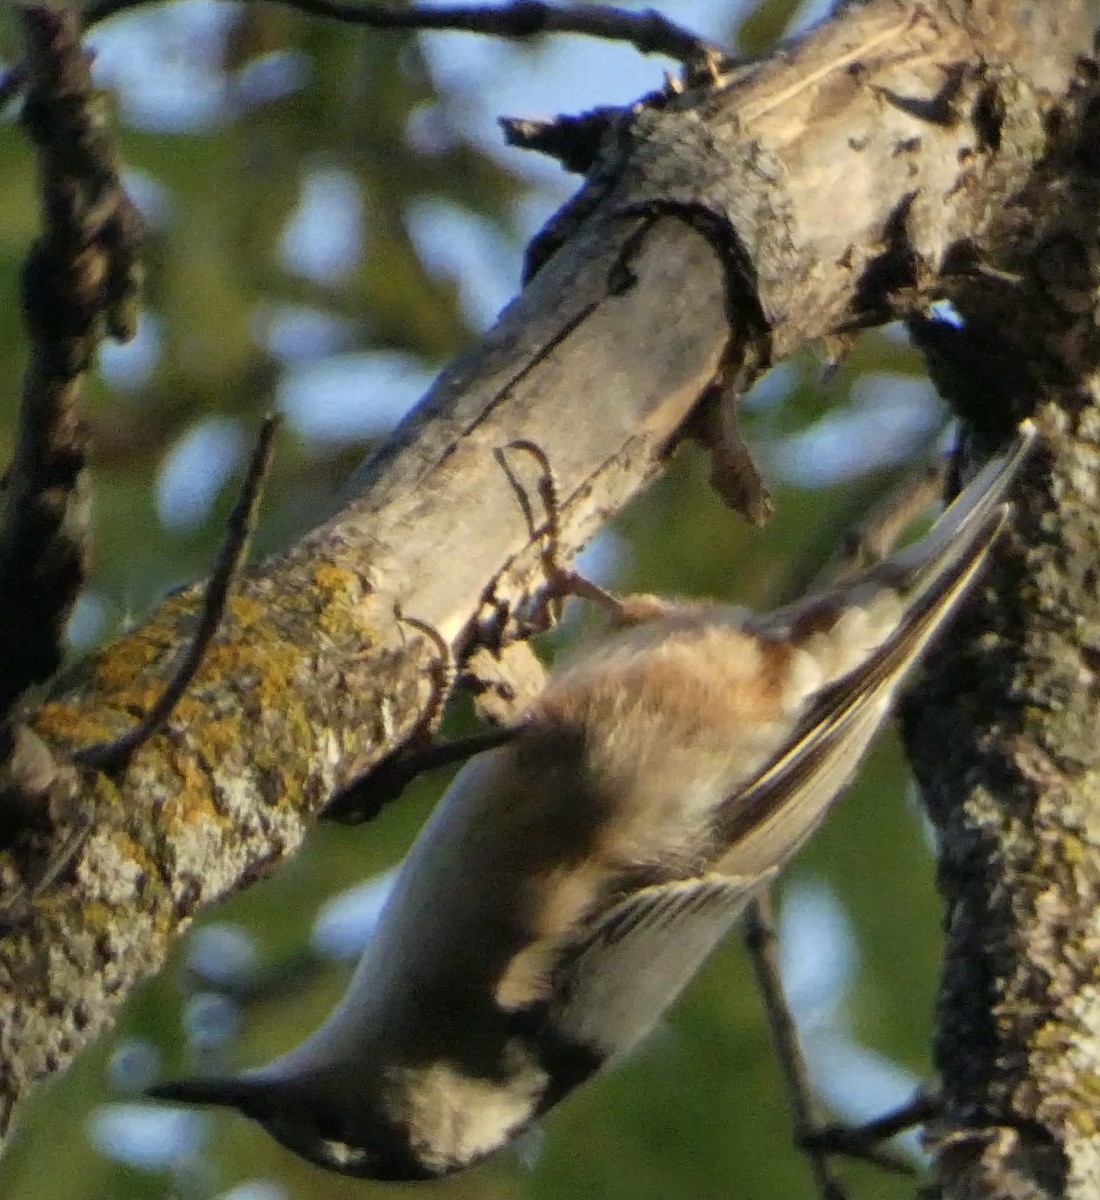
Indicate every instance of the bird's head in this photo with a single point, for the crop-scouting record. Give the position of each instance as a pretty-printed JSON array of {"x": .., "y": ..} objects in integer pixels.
[{"x": 353, "y": 1140}]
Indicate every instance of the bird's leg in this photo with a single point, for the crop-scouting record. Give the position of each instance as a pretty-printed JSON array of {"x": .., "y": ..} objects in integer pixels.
[
  {"x": 368, "y": 793},
  {"x": 563, "y": 582}
]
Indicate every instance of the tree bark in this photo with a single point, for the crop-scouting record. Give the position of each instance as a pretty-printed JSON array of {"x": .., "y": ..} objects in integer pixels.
[
  {"x": 1002, "y": 730},
  {"x": 852, "y": 178}
]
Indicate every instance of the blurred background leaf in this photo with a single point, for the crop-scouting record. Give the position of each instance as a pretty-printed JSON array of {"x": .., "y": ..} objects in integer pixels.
[{"x": 332, "y": 216}]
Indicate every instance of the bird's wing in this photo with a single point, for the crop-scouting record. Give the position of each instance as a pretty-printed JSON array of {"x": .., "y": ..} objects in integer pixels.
[
  {"x": 613, "y": 982},
  {"x": 764, "y": 822},
  {"x": 767, "y": 820}
]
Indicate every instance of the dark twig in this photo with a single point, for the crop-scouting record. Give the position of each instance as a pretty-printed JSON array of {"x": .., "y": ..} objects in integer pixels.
[
  {"x": 60, "y": 859},
  {"x": 868, "y": 542},
  {"x": 574, "y": 141},
  {"x": 872, "y": 539},
  {"x": 760, "y": 939},
  {"x": 113, "y": 756},
  {"x": 863, "y": 1141},
  {"x": 648, "y": 32},
  {"x": 80, "y": 281}
]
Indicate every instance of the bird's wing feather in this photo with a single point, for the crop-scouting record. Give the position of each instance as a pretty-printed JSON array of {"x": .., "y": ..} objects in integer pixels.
[
  {"x": 613, "y": 983},
  {"x": 766, "y": 821}
]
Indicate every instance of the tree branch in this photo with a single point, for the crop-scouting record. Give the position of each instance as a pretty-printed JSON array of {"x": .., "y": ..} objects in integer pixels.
[
  {"x": 79, "y": 280},
  {"x": 649, "y": 31},
  {"x": 719, "y": 233}
]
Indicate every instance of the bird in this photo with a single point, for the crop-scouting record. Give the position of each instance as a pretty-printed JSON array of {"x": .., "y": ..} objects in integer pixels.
[{"x": 573, "y": 880}]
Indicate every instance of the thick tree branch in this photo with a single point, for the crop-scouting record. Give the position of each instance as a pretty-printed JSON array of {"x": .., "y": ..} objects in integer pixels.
[{"x": 717, "y": 233}]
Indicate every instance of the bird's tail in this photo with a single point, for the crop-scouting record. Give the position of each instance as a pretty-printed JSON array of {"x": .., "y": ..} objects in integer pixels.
[{"x": 969, "y": 517}]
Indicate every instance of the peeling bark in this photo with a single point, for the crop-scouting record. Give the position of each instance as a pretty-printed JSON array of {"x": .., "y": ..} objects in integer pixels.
[{"x": 851, "y": 178}]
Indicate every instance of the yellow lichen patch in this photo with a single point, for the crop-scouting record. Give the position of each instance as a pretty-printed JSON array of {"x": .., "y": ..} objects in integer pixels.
[
  {"x": 286, "y": 717},
  {"x": 271, "y": 658},
  {"x": 339, "y": 595},
  {"x": 1075, "y": 851},
  {"x": 195, "y": 796},
  {"x": 338, "y": 582},
  {"x": 189, "y": 806},
  {"x": 217, "y": 739},
  {"x": 97, "y": 917},
  {"x": 119, "y": 664},
  {"x": 1079, "y": 1114},
  {"x": 137, "y": 853},
  {"x": 59, "y": 720},
  {"x": 248, "y": 612}
]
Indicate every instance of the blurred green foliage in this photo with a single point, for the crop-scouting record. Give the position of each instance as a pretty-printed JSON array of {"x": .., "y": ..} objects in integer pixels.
[{"x": 700, "y": 1112}]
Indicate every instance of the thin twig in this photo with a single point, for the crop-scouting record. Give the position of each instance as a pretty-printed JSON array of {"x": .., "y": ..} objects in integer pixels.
[
  {"x": 873, "y": 538},
  {"x": 868, "y": 542},
  {"x": 80, "y": 281},
  {"x": 760, "y": 939},
  {"x": 649, "y": 32},
  {"x": 864, "y": 1141},
  {"x": 113, "y": 756}
]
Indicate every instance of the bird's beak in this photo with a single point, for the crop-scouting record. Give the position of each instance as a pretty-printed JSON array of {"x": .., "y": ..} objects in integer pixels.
[{"x": 227, "y": 1091}]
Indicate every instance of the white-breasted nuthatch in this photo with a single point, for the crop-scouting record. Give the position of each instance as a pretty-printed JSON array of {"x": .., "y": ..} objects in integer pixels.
[{"x": 572, "y": 881}]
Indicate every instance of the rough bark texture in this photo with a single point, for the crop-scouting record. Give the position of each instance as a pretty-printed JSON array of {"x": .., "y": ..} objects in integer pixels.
[
  {"x": 851, "y": 178},
  {"x": 1003, "y": 731}
]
